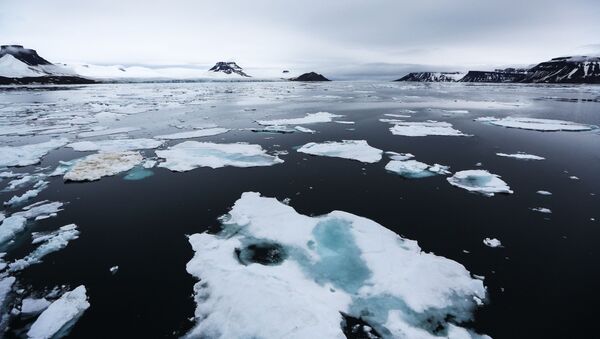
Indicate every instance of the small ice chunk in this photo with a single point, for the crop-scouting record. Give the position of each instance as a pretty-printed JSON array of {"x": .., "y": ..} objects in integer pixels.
[
  {"x": 60, "y": 315},
  {"x": 305, "y": 130},
  {"x": 193, "y": 154},
  {"x": 95, "y": 166},
  {"x": 114, "y": 269},
  {"x": 28, "y": 154},
  {"x": 310, "y": 118},
  {"x": 32, "y": 193},
  {"x": 116, "y": 145},
  {"x": 541, "y": 210},
  {"x": 6, "y": 284},
  {"x": 34, "y": 306},
  {"x": 520, "y": 156},
  {"x": 393, "y": 115},
  {"x": 399, "y": 156},
  {"x": 347, "y": 149},
  {"x": 412, "y": 169},
  {"x": 344, "y": 122},
  {"x": 456, "y": 111},
  {"x": 426, "y": 128},
  {"x": 543, "y": 192},
  {"x": 492, "y": 242},
  {"x": 480, "y": 181},
  {"x": 574, "y": 177},
  {"x": 193, "y": 134},
  {"x": 103, "y": 132},
  {"x": 545, "y": 125}
]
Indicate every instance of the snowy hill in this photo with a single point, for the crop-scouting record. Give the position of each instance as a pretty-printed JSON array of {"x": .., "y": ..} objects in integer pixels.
[
  {"x": 432, "y": 77},
  {"x": 577, "y": 69}
]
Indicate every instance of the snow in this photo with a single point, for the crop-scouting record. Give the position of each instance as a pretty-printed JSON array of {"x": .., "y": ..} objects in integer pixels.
[
  {"x": 193, "y": 154},
  {"x": 421, "y": 129},
  {"x": 50, "y": 242},
  {"x": 316, "y": 268},
  {"x": 28, "y": 154},
  {"x": 542, "y": 210},
  {"x": 116, "y": 145},
  {"x": 347, "y": 149},
  {"x": 95, "y": 166},
  {"x": 520, "y": 156},
  {"x": 193, "y": 134},
  {"x": 60, "y": 315},
  {"x": 413, "y": 169},
  {"x": 479, "y": 181},
  {"x": 545, "y": 125},
  {"x": 492, "y": 242},
  {"x": 310, "y": 118},
  {"x": 12, "y": 67},
  {"x": 34, "y": 306},
  {"x": 107, "y": 131}
]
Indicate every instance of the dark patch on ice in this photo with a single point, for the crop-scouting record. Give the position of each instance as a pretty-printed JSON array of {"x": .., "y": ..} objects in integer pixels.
[
  {"x": 264, "y": 253},
  {"x": 357, "y": 328}
]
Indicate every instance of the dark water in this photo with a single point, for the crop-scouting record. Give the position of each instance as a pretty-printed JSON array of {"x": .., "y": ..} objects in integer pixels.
[{"x": 542, "y": 283}]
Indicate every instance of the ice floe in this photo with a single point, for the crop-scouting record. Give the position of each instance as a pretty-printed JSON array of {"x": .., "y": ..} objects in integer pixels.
[
  {"x": 273, "y": 129},
  {"x": 49, "y": 243},
  {"x": 480, "y": 181},
  {"x": 542, "y": 210},
  {"x": 108, "y": 131},
  {"x": 16, "y": 223},
  {"x": 520, "y": 156},
  {"x": 492, "y": 242},
  {"x": 304, "y": 129},
  {"x": 116, "y": 145},
  {"x": 541, "y": 192},
  {"x": 193, "y": 154},
  {"x": 347, "y": 149},
  {"x": 28, "y": 154},
  {"x": 32, "y": 193},
  {"x": 193, "y": 134},
  {"x": 95, "y": 166},
  {"x": 34, "y": 306},
  {"x": 274, "y": 273},
  {"x": 424, "y": 128},
  {"x": 310, "y": 118},
  {"x": 413, "y": 169},
  {"x": 546, "y": 125},
  {"x": 61, "y": 315}
]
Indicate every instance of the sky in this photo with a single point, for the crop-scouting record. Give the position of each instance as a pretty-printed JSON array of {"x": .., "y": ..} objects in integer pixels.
[{"x": 352, "y": 37}]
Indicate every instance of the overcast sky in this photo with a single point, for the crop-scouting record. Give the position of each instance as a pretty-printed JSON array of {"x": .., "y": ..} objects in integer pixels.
[{"x": 323, "y": 34}]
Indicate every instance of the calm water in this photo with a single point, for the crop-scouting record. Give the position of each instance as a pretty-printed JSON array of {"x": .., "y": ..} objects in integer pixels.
[{"x": 542, "y": 283}]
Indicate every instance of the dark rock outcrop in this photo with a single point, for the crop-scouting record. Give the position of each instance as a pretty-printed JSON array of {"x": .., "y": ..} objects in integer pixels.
[
  {"x": 28, "y": 56},
  {"x": 312, "y": 76},
  {"x": 228, "y": 68},
  {"x": 46, "y": 80},
  {"x": 432, "y": 77},
  {"x": 575, "y": 70},
  {"x": 484, "y": 76}
]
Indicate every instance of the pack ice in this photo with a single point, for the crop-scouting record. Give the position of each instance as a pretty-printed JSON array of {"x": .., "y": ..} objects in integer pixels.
[
  {"x": 347, "y": 149},
  {"x": 545, "y": 125},
  {"x": 193, "y": 154},
  {"x": 274, "y": 273},
  {"x": 480, "y": 181}
]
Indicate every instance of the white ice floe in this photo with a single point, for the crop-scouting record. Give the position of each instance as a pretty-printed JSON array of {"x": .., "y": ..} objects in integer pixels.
[
  {"x": 32, "y": 193},
  {"x": 193, "y": 134},
  {"x": 492, "y": 242},
  {"x": 542, "y": 210},
  {"x": 61, "y": 315},
  {"x": 480, "y": 181},
  {"x": 110, "y": 131},
  {"x": 399, "y": 156},
  {"x": 310, "y": 118},
  {"x": 546, "y": 125},
  {"x": 425, "y": 128},
  {"x": 114, "y": 269},
  {"x": 520, "y": 156},
  {"x": 10, "y": 227},
  {"x": 28, "y": 154},
  {"x": 49, "y": 243},
  {"x": 193, "y": 154},
  {"x": 344, "y": 122},
  {"x": 413, "y": 169},
  {"x": 274, "y": 273},
  {"x": 95, "y": 166},
  {"x": 541, "y": 192},
  {"x": 116, "y": 145},
  {"x": 393, "y": 115},
  {"x": 456, "y": 111},
  {"x": 6, "y": 284},
  {"x": 304, "y": 129},
  {"x": 33, "y": 305},
  {"x": 347, "y": 149}
]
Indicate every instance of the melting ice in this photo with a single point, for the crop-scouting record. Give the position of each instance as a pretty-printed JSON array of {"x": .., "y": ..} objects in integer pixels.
[{"x": 479, "y": 181}]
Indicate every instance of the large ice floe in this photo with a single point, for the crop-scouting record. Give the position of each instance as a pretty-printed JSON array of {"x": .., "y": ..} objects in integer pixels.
[
  {"x": 347, "y": 149},
  {"x": 480, "y": 181},
  {"x": 310, "y": 118},
  {"x": 403, "y": 165},
  {"x": 424, "y": 128},
  {"x": 274, "y": 273},
  {"x": 116, "y": 145},
  {"x": 28, "y": 154},
  {"x": 61, "y": 315},
  {"x": 206, "y": 132},
  {"x": 545, "y": 125},
  {"x": 95, "y": 166},
  {"x": 188, "y": 155}
]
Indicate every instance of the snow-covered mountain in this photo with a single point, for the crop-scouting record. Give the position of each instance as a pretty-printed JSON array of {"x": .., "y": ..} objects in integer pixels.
[
  {"x": 574, "y": 69},
  {"x": 433, "y": 76},
  {"x": 495, "y": 76},
  {"x": 228, "y": 68}
]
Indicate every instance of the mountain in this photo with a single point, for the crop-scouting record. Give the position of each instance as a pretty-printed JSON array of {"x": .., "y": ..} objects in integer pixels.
[
  {"x": 574, "y": 69},
  {"x": 432, "y": 77},
  {"x": 228, "y": 68},
  {"x": 496, "y": 76},
  {"x": 312, "y": 76},
  {"x": 22, "y": 66}
]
